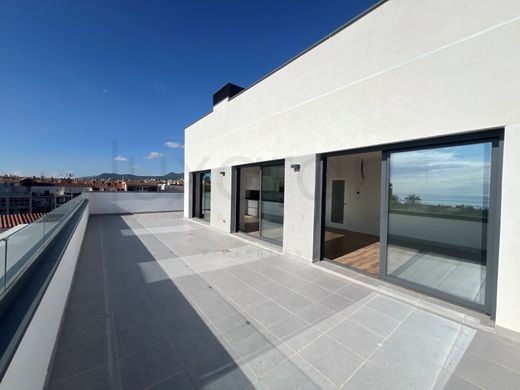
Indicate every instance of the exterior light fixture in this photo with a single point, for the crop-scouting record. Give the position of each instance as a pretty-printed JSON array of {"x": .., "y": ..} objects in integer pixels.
[
  {"x": 223, "y": 173},
  {"x": 296, "y": 167}
]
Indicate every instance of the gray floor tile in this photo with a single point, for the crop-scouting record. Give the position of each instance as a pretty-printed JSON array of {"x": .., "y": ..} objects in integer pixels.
[
  {"x": 171, "y": 304},
  {"x": 162, "y": 288},
  {"x": 235, "y": 327},
  {"x": 315, "y": 380},
  {"x": 80, "y": 330},
  {"x": 486, "y": 374},
  {"x": 335, "y": 361},
  {"x": 437, "y": 326},
  {"x": 299, "y": 340},
  {"x": 284, "y": 376},
  {"x": 288, "y": 327},
  {"x": 402, "y": 367},
  {"x": 199, "y": 343},
  {"x": 271, "y": 289},
  {"x": 216, "y": 344},
  {"x": 313, "y": 292},
  {"x": 314, "y": 313},
  {"x": 357, "y": 338},
  {"x": 457, "y": 383},
  {"x": 137, "y": 337},
  {"x": 97, "y": 378},
  {"x": 268, "y": 313},
  {"x": 374, "y": 321},
  {"x": 369, "y": 377},
  {"x": 224, "y": 378},
  {"x": 354, "y": 292},
  {"x": 330, "y": 283},
  {"x": 390, "y": 307},
  {"x": 247, "y": 298},
  {"x": 149, "y": 366},
  {"x": 493, "y": 349},
  {"x": 248, "y": 276},
  {"x": 309, "y": 273},
  {"x": 336, "y": 302},
  {"x": 180, "y": 381},
  {"x": 253, "y": 345},
  {"x": 292, "y": 301},
  {"x": 265, "y": 360},
  {"x": 79, "y": 358},
  {"x": 133, "y": 315}
]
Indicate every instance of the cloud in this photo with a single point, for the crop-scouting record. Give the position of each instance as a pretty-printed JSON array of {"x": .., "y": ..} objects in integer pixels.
[
  {"x": 120, "y": 158},
  {"x": 155, "y": 155},
  {"x": 173, "y": 145}
]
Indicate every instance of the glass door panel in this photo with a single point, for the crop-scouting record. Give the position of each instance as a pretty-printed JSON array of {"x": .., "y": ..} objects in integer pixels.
[
  {"x": 206, "y": 196},
  {"x": 272, "y": 202},
  {"x": 438, "y": 218}
]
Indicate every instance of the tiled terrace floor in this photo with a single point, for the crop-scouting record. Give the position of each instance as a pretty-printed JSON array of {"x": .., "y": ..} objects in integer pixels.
[{"x": 160, "y": 302}]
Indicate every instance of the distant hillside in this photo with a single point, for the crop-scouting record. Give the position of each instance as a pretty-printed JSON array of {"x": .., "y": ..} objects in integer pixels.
[{"x": 127, "y": 176}]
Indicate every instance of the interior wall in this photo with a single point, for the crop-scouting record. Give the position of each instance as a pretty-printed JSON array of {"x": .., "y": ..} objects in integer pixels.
[{"x": 362, "y": 197}]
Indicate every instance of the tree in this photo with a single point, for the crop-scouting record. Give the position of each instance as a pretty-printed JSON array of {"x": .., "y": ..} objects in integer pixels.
[{"x": 412, "y": 200}]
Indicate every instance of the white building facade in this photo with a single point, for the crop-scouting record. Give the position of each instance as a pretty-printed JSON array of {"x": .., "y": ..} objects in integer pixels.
[{"x": 390, "y": 147}]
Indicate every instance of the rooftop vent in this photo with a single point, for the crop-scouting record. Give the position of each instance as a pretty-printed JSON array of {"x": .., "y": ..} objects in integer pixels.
[{"x": 226, "y": 92}]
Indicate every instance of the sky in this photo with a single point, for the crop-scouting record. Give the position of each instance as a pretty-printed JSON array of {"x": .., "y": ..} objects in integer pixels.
[
  {"x": 448, "y": 175},
  {"x": 92, "y": 86}
]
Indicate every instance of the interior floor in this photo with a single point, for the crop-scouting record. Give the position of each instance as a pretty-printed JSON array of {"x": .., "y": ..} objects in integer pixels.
[
  {"x": 357, "y": 250},
  {"x": 251, "y": 225}
]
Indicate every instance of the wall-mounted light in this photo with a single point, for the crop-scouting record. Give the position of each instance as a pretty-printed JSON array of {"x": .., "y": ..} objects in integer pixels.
[
  {"x": 223, "y": 173},
  {"x": 296, "y": 167}
]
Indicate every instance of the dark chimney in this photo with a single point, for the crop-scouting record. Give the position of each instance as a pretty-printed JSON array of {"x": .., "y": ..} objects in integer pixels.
[{"x": 226, "y": 92}]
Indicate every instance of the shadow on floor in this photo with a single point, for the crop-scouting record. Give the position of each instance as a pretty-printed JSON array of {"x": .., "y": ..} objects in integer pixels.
[{"x": 120, "y": 332}]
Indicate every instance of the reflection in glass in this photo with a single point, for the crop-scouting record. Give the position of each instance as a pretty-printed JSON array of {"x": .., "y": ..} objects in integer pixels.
[
  {"x": 437, "y": 223},
  {"x": 206, "y": 196},
  {"x": 272, "y": 200},
  {"x": 249, "y": 193}
]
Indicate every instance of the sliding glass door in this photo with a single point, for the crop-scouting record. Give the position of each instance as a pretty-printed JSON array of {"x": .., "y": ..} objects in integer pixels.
[
  {"x": 438, "y": 227},
  {"x": 260, "y": 196},
  {"x": 201, "y": 195},
  {"x": 271, "y": 203},
  {"x": 206, "y": 196}
]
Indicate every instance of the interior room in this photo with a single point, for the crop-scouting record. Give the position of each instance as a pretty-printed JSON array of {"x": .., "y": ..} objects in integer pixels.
[
  {"x": 353, "y": 193},
  {"x": 249, "y": 201}
]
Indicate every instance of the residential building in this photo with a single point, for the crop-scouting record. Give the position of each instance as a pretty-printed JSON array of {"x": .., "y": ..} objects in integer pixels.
[{"x": 389, "y": 147}]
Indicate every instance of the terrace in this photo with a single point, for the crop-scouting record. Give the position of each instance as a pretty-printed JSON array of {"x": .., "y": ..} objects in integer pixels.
[{"x": 161, "y": 302}]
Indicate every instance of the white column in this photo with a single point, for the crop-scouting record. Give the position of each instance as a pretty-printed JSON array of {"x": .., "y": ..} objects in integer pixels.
[
  {"x": 301, "y": 205},
  {"x": 508, "y": 293},
  {"x": 221, "y": 204}
]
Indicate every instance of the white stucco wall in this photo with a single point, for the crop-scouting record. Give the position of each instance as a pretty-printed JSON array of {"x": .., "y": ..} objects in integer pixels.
[
  {"x": 408, "y": 70},
  {"x": 134, "y": 202},
  {"x": 221, "y": 199},
  {"x": 508, "y": 292}
]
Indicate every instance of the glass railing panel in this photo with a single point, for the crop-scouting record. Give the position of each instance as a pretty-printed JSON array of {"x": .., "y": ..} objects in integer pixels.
[
  {"x": 2, "y": 265},
  {"x": 21, "y": 246},
  {"x": 26, "y": 242}
]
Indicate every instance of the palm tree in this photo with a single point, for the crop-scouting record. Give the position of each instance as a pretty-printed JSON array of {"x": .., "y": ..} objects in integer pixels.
[{"x": 412, "y": 200}]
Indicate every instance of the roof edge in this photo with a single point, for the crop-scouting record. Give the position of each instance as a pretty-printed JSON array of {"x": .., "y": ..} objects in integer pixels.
[{"x": 300, "y": 54}]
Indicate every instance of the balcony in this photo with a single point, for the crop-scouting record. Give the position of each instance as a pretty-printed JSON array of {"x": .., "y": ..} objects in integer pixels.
[{"x": 161, "y": 302}]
